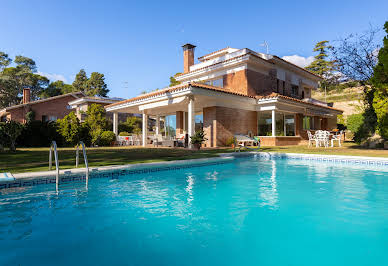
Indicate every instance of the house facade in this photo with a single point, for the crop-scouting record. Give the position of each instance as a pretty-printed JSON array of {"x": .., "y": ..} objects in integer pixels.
[
  {"x": 238, "y": 91},
  {"x": 49, "y": 109}
]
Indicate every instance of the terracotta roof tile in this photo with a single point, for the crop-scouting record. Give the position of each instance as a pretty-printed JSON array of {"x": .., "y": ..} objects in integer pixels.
[{"x": 177, "y": 87}]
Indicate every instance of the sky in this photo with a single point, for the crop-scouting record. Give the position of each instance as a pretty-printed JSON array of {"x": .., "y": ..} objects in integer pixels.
[{"x": 137, "y": 44}]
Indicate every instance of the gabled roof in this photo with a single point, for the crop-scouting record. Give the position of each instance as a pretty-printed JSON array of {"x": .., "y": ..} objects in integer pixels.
[{"x": 74, "y": 94}]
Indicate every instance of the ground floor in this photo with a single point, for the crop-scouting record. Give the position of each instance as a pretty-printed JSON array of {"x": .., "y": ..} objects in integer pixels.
[{"x": 276, "y": 119}]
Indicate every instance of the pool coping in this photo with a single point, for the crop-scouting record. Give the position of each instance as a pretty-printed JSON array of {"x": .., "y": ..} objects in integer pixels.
[{"x": 113, "y": 171}]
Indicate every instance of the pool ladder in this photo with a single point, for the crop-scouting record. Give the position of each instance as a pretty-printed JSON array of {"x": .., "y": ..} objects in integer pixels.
[{"x": 53, "y": 148}]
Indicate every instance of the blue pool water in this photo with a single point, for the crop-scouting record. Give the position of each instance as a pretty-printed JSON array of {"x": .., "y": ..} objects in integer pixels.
[{"x": 247, "y": 212}]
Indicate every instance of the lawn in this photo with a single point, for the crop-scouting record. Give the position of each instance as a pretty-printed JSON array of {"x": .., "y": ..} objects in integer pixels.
[{"x": 36, "y": 159}]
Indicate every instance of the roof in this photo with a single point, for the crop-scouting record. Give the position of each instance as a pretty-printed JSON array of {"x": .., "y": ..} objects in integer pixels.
[
  {"x": 74, "y": 94},
  {"x": 95, "y": 99},
  {"x": 201, "y": 57},
  {"x": 218, "y": 89},
  {"x": 253, "y": 53},
  {"x": 178, "y": 87},
  {"x": 275, "y": 95}
]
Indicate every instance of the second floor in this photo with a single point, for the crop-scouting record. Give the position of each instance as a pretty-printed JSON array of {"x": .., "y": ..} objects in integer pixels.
[{"x": 248, "y": 72}]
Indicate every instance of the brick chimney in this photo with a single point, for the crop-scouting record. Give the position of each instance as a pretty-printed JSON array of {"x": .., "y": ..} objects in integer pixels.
[
  {"x": 26, "y": 95},
  {"x": 188, "y": 57}
]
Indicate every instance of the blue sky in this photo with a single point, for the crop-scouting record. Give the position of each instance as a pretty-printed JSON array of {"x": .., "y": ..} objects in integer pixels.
[{"x": 139, "y": 42}]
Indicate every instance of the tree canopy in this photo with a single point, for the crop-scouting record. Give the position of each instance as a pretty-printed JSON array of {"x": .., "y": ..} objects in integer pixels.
[{"x": 93, "y": 86}]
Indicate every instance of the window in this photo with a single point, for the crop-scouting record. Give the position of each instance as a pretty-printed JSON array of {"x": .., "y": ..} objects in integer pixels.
[
  {"x": 308, "y": 123},
  {"x": 265, "y": 124},
  {"x": 216, "y": 82},
  {"x": 294, "y": 90},
  {"x": 289, "y": 125},
  {"x": 285, "y": 124}
]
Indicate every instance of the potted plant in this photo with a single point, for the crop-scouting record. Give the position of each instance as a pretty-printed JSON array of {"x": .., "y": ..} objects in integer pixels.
[{"x": 197, "y": 139}]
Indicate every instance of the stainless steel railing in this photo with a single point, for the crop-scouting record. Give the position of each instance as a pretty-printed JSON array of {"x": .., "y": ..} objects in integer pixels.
[
  {"x": 82, "y": 144},
  {"x": 53, "y": 148}
]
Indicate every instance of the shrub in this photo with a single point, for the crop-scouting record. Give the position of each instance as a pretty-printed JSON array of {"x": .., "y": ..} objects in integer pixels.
[
  {"x": 132, "y": 125},
  {"x": 107, "y": 137},
  {"x": 96, "y": 121},
  {"x": 198, "y": 138},
  {"x": 39, "y": 134},
  {"x": 354, "y": 122},
  {"x": 230, "y": 141},
  {"x": 123, "y": 133},
  {"x": 12, "y": 130},
  {"x": 69, "y": 127}
]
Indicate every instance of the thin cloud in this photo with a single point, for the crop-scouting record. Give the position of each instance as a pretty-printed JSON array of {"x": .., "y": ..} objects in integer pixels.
[
  {"x": 53, "y": 77},
  {"x": 299, "y": 60}
]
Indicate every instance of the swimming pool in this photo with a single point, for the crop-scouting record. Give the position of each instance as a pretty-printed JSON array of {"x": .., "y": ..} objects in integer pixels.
[{"x": 245, "y": 211}]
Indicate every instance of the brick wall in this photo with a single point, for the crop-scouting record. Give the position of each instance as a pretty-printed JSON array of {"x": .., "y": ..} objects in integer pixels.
[
  {"x": 55, "y": 107},
  {"x": 221, "y": 123}
]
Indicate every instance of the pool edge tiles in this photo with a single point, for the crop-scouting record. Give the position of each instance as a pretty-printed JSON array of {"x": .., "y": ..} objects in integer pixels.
[{"x": 78, "y": 174}]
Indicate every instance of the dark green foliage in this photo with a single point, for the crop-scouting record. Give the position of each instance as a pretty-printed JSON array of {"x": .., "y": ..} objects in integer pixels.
[
  {"x": 380, "y": 82},
  {"x": 321, "y": 66},
  {"x": 12, "y": 130},
  {"x": 198, "y": 137},
  {"x": 96, "y": 85},
  {"x": 57, "y": 88},
  {"x": 69, "y": 127},
  {"x": 107, "y": 137},
  {"x": 30, "y": 116},
  {"x": 39, "y": 134},
  {"x": 356, "y": 124},
  {"x": 80, "y": 81},
  {"x": 96, "y": 121},
  {"x": 132, "y": 125}
]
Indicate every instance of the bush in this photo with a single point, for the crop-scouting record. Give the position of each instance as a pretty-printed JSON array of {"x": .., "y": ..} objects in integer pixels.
[
  {"x": 12, "y": 130},
  {"x": 39, "y": 134},
  {"x": 69, "y": 127},
  {"x": 124, "y": 133},
  {"x": 354, "y": 122},
  {"x": 106, "y": 138},
  {"x": 230, "y": 141}
]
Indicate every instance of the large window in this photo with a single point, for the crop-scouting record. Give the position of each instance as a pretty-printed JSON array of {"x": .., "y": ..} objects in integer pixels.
[
  {"x": 285, "y": 124},
  {"x": 294, "y": 90},
  {"x": 216, "y": 82}
]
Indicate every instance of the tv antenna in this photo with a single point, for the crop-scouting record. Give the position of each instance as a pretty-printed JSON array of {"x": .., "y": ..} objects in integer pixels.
[{"x": 266, "y": 46}]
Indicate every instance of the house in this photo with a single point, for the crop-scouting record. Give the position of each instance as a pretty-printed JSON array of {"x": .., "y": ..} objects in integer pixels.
[
  {"x": 49, "y": 109},
  {"x": 82, "y": 104},
  {"x": 237, "y": 91}
]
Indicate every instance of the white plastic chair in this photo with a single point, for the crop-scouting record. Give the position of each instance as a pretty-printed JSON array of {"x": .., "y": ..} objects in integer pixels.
[
  {"x": 322, "y": 138},
  {"x": 312, "y": 138},
  {"x": 338, "y": 138}
]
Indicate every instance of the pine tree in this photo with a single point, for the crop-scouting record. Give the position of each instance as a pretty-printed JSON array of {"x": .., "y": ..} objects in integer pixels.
[
  {"x": 321, "y": 66},
  {"x": 80, "y": 81}
]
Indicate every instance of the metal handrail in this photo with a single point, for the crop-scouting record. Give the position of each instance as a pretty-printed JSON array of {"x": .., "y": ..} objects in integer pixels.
[
  {"x": 53, "y": 147},
  {"x": 85, "y": 159}
]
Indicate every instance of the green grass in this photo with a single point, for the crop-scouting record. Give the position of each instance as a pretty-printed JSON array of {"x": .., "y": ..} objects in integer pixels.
[{"x": 36, "y": 159}]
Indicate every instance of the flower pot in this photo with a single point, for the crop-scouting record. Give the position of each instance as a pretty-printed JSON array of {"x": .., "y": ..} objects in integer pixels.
[{"x": 197, "y": 146}]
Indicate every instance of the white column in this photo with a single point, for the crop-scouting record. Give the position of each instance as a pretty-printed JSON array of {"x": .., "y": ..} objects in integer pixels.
[
  {"x": 157, "y": 125},
  {"x": 191, "y": 119},
  {"x": 116, "y": 123},
  {"x": 273, "y": 124},
  {"x": 144, "y": 130}
]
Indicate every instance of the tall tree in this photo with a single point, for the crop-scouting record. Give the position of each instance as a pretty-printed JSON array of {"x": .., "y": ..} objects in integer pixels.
[
  {"x": 321, "y": 66},
  {"x": 357, "y": 57},
  {"x": 96, "y": 85},
  {"x": 57, "y": 88},
  {"x": 96, "y": 121},
  {"x": 380, "y": 82},
  {"x": 4, "y": 60},
  {"x": 80, "y": 81}
]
